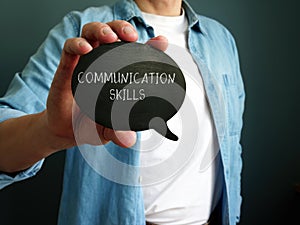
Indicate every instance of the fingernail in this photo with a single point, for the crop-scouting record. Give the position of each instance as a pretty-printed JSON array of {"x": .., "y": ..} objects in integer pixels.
[
  {"x": 82, "y": 44},
  {"x": 129, "y": 141},
  {"x": 128, "y": 30},
  {"x": 107, "y": 30},
  {"x": 126, "y": 138},
  {"x": 86, "y": 45}
]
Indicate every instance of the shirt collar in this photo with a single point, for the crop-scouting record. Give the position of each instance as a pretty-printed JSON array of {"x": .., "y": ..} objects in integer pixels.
[{"x": 128, "y": 9}]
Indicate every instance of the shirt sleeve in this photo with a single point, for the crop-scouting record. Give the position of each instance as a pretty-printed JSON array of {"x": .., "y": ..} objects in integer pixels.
[
  {"x": 28, "y": 91},
  {"x": 6, "y": 179}
]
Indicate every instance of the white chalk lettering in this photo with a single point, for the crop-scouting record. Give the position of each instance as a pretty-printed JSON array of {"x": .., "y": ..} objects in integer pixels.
[{"x": 126, "y": 78}]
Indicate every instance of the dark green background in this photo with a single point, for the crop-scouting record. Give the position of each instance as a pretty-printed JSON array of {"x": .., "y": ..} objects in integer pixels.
[{"x": 267, "y": 35}]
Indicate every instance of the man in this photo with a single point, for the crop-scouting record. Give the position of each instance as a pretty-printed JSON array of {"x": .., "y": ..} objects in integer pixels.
[{"x": 36, "y": 117}]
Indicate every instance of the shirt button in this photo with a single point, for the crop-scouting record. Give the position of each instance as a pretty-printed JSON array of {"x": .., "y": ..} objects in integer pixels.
[{"x": 140, "y": 179}]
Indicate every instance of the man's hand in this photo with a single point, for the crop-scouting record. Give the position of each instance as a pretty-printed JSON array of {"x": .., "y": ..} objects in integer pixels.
[{"x": 60, "y": 104}]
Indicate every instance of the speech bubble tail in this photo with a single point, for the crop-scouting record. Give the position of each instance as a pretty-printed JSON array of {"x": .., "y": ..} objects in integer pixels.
[
  {"x": 168, "y": 134},
  {"x": 161, "y": 127},
  {"x": 171, "y": 136}
]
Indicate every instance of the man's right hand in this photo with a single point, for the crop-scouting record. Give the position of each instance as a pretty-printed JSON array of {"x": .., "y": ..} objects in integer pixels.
[{"x": 60, "y": 105}]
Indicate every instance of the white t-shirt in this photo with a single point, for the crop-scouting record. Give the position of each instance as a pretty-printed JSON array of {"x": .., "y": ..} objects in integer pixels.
[{"x": 181, "y": 179}]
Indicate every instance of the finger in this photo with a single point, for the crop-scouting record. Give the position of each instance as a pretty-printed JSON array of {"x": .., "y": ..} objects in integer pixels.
[
  {"x": 84, "y": 134},
  {"x": 77, "y": 46},
  {"x": 124, "y": 30},
  {"x": 84, "y": 131},
  {"x": 98, "y": 32},
  {"x": 159, "y": 42},
  {"x": 124, "y": 139},
  {"x": 73, "y": 48}
]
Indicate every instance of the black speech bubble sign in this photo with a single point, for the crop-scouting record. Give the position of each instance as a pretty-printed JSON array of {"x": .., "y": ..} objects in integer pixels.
[{"x": 129, "y": 86}]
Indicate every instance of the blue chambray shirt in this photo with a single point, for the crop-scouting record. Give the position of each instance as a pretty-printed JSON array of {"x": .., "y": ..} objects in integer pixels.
[{"x": 89, "y": 198}]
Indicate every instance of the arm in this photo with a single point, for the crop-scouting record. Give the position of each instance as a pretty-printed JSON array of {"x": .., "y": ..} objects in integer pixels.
[{"x": 26, "y": 140}]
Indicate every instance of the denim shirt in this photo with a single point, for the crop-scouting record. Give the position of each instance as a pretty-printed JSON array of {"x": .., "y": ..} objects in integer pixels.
[{"x": 91, "y": 199}]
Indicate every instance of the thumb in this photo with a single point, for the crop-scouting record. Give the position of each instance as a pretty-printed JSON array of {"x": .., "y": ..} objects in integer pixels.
[{"x": 124, "y": 139}]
